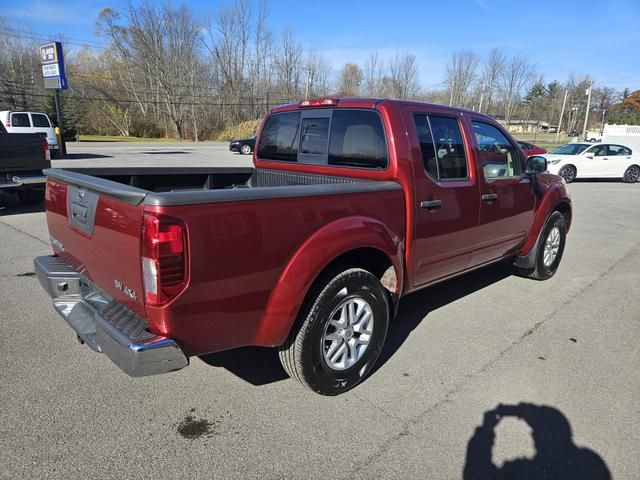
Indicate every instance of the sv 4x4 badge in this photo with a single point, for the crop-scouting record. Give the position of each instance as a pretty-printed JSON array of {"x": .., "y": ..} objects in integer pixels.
[{"x": 126, "y": 290}]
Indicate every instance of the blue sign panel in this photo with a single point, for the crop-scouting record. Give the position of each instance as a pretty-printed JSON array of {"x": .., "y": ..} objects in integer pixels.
[{"x": 52, "y": 61}]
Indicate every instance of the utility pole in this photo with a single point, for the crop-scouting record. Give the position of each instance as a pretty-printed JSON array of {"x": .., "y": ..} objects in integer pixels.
[
  {"x": 564, "y": 102},
  {"x": 586, "y": 114},
  {"x": 602, "y": 126},
  {"x": 63, "y": 145},
  {"x": 481, "y": 98},
  {"x": 308, "y": 88},
  {"x": 453, "y": 83}
]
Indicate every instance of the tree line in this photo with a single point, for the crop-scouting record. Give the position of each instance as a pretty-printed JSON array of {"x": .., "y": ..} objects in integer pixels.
[{"x": 159, "y": 70}]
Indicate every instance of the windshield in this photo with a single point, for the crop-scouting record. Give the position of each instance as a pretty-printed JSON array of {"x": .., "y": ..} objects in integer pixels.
[{"x": 571, "y": 149}]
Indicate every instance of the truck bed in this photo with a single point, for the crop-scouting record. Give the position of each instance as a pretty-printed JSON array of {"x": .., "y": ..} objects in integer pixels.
[{"x": 186, "y": 186}]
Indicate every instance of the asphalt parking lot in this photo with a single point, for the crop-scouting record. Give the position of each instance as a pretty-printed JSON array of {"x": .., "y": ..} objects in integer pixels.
[{"x": 559, "y": 352}]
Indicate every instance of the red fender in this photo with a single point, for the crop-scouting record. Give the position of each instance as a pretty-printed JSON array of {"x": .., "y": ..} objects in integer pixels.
[
  {"x": 555, "y": 194},
  {"x": 324, "y": 246}
]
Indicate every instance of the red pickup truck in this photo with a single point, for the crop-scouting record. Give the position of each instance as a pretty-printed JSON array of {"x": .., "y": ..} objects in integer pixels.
[{"x": 351, "y": 204}]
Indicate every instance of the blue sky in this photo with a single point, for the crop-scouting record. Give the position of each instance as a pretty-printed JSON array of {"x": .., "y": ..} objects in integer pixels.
[{"x": 560, "y": 37}]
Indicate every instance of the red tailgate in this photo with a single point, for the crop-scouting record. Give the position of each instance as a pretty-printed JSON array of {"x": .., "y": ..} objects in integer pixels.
[{"x": 100, "y": 236}]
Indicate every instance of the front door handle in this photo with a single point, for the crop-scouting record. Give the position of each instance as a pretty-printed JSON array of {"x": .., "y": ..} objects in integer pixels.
[
  {"x": 489, "y": 197},
  {"x": 431, "y": 204}
]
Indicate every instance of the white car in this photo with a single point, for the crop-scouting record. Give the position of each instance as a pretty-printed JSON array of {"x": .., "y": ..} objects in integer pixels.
[
  {"x": 31, "y": 122},
  {"x": 600, "y": 160}
]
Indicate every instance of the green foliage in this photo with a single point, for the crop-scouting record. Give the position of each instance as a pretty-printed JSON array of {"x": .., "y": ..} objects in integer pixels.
[{"x": 72, "y": 112}]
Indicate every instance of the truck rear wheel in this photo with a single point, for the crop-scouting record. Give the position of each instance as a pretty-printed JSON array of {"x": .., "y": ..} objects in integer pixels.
[
  {"x": 549, "y": 249},
  {"x": 31, "y": 196},
  {"x": 340, "y": 333}
]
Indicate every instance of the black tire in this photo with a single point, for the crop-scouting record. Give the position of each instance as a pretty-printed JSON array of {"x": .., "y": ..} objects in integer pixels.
[
  {"x": 245, "y": 149},
  {"x": 632, "y": 174},
  {"x": 542, "y": 271},
  {"x": 31, "y": 196},
  {"x": 303, "y": 354},
  {"x": 568, "y": 172}
]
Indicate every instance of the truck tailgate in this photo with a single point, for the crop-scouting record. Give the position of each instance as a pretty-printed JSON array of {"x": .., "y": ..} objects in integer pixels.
[{"x": 99, "y": 235}]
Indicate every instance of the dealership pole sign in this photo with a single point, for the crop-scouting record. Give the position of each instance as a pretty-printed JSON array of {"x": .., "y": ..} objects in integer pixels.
[{"x": 53, "y": 66}]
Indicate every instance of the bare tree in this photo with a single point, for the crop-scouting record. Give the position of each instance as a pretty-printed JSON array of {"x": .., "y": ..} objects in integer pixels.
[
  {"x": 460, "y": 75},
  {"x": 319, "y": 75},
  {"x": 518, "y": 73},
  {"x": 492, "y": 69},
  {"x": 403, "y": 75},
  {"x": 350, "y": 80},
  {"x": 373, "y": 74},
  {"x": 288, "y": 64}
]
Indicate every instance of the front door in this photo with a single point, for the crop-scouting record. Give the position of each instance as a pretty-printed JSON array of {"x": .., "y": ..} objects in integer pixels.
[
  {"x": 507, "y": 195},
  {"x": 446, "y": 194}
]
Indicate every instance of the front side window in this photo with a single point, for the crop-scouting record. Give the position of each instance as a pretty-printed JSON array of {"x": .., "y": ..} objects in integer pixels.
[
  {"x": 40, "y": 120},
  {"x": 20, "y": 120},
  {"x": 499, "y": 157},
  {"x": 280, "y": 136},
  {"x": 597, "y": 151},
  {"x": 442, "y": 147}
]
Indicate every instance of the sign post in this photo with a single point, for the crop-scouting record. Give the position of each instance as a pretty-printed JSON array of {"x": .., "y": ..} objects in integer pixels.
[{"x": 55, "y": 78}]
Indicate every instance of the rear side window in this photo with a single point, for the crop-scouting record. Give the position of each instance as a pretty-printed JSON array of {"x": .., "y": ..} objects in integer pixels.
[
  {"x": 40, "y": 120},
  {"x": 280, "y": 137},
  {"x": 499, "y": 157},
  {"x": 20, "y": 120},
  {"x": 442, "y": 147},
  {"x": 357, "y": 139}
]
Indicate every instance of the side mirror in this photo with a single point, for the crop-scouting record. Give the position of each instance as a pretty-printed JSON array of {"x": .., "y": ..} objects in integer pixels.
[{"x": 536, "y": 164}]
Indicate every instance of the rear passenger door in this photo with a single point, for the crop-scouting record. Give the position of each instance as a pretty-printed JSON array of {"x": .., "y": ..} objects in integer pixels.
[
  {"x": 446, "y": 194},
  {"x": 506, "y": 193}
]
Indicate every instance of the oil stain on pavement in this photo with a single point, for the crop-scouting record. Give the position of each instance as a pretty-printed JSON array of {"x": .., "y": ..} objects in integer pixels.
[{"x": 193, "y": 428}]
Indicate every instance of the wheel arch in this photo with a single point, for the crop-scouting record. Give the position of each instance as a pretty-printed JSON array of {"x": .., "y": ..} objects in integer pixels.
[{"x": 350, "y": 242}]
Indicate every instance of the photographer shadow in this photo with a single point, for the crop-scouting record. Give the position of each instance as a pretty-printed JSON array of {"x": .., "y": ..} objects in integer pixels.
[{"x": 557, "y": 457}]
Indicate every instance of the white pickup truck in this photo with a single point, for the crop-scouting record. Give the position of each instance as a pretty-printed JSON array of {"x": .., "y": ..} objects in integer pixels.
[{"x": 31, "y": 122}]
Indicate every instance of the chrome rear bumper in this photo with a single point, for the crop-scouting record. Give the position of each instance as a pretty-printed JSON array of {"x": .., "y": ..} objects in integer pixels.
[
  {"x": 105, "y": 325},
  {"x": 17, "y": 181}
]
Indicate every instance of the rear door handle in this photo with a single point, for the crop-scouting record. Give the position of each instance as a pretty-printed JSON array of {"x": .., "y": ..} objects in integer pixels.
[
  {"x": 431, "y": 204},
  {"x": 489, "y": 197}
]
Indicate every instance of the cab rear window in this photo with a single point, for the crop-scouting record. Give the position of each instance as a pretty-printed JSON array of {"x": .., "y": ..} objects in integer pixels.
[{"x": 337, "y": 137}]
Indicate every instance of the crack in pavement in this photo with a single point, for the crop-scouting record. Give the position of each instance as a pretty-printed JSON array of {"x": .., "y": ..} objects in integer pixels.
[
  {"x": 387, "y": 444},
  {"x": 25, "y": 233}
]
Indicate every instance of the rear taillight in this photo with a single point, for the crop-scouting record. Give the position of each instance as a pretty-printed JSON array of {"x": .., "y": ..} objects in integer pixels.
[
  {"x": 46, "y": 154},
  {"x": 164, "y": 258},
  {"x": 8, "y": 121}
]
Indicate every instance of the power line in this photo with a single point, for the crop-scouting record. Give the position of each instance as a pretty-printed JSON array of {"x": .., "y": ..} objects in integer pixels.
[{"x": 17, "y": 33}]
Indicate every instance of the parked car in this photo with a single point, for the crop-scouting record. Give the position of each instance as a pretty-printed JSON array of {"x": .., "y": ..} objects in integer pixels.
[
  {"x": 31, "y": 122},
  {"x": 22, "y": 159},
  {"x": 600, "y": 160},
  {"x": 593, "y": 136},
  {"x": 531, "y": 149},
  {"x": 573, "y": 133},
  {"x": 351, "y": 205},
  {"x": 244, "y": 146}
]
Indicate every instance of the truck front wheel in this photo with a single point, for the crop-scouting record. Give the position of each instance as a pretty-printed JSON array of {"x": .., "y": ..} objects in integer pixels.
[
  {"x": 340, "y": 333},
  {"x": 549, "y": 249}
]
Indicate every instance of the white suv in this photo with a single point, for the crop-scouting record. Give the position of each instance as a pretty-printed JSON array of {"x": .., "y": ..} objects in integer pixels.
[{"x": 31, "y": 122}]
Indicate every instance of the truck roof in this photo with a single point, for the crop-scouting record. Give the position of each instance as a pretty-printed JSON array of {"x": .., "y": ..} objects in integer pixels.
[{"x": 371, "y": 103}]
